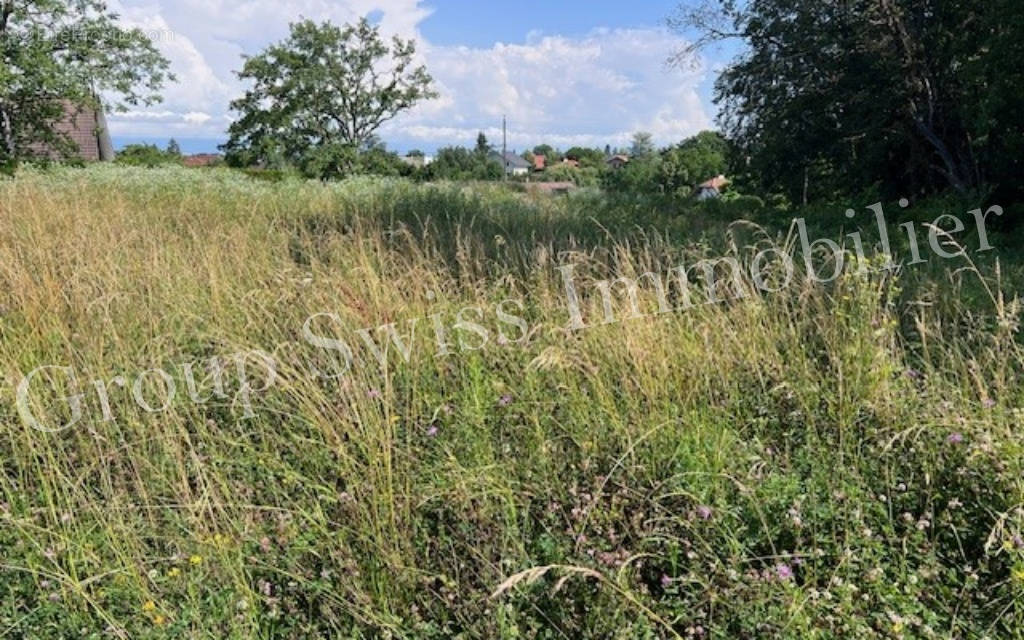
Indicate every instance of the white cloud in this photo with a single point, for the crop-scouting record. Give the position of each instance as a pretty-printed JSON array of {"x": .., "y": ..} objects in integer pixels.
[{"x": 596, "y": 89}]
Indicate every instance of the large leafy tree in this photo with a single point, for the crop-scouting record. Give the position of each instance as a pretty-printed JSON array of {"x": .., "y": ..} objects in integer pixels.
[
  {"x": 693, "y": 161},
  {"x": 908, "y": 96},
  {"x": 58, "y": 51},
  {"x": 321, "y": 94}
]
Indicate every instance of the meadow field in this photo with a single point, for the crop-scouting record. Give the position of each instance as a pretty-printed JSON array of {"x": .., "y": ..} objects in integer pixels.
[{"x": 837, "y": 460}]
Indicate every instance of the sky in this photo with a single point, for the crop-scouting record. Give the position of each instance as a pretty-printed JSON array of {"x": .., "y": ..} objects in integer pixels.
[{"x": 564, "y": 72}]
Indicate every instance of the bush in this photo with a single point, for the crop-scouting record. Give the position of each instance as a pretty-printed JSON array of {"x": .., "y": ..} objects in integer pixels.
[{"x": 146, "y": 155}]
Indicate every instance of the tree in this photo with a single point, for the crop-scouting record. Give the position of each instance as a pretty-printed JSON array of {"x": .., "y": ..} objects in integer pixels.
[
  {"x": 52, "y": 51},
  {"x": 643, "y": 145},
  {"x": 173, "y": 149},
  {"x": 146, "y": 155},
  {"x": 592, "y": 158},
  {"x": 459, "y": 163},
  {"x": 482, "y": 146},
  {"x": 550, "y": 154},
  {"x": 321, "y": 94},
  {"x": 838, "y": 97},
  {"x": 693, "y": 161}
]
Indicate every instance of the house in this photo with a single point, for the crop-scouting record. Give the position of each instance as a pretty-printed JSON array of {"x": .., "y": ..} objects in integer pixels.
[
  {"x": 539, "y": 162},
  {"x": 202, "y": 160},
  {"x": 617, "y": 161},
  {"x": 86, "y": 128},
  {"x": 514, "y": 164},
  {"x": 712, "y": 188}
]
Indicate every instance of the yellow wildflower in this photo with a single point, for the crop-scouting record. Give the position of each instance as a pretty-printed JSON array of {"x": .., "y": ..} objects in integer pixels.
[
  {"x": 195, "y": 561},
  {"x": 149, "y": 606},
  {"x": 1018, "y": 575},
  {"x": 173, "y": 572},
  {"x": 159, "y": 620}
]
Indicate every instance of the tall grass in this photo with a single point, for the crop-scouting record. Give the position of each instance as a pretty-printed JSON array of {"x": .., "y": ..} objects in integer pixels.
[{"x": 825, "y": 461}]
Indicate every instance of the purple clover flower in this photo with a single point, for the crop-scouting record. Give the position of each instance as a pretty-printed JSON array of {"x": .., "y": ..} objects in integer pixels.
[
  {"x": 955, "y": 438},
  {"x": 704, "y": 512},
  {"x": 784, "y": 571}
]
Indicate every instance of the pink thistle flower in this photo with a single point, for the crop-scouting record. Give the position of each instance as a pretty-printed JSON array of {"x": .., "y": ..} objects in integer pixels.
[
  {"x": 955, "y": 438},
  {"x": 665, "y": 580},
  {"x": 432, "y": 431},
  {"x": 784, "y": 571}
]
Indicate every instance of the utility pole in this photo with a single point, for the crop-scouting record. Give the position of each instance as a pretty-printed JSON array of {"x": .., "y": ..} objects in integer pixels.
[{"x": 504, "y": 147}]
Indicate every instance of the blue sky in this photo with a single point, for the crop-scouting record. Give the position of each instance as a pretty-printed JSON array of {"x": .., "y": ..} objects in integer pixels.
[
  {"x": 564, "y": 72},
  {"x": 478, "y": 23}
]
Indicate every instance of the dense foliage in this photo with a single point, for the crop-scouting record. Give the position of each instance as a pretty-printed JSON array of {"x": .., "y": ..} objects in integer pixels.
[
  {"x": 907, "y": 97},
  {"x": 149, "y": 155},
  {"x": 52, "y": 51},
  {"x": 318, "y": 97}
]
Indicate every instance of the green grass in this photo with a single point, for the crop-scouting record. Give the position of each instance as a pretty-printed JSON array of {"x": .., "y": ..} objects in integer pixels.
[{"x": 825, "y": 461}]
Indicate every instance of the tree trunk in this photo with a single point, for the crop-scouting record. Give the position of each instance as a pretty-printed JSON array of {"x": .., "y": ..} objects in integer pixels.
[
  {"x": 952, "y": 170},
  {"x": 6, "y": 134}
]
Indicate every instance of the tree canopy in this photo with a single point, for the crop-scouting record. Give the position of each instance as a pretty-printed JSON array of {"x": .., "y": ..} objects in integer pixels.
[
  {"x": 54, "y": 52},
  {"x": 903, "y": 96},
  {"x": 319, "y": 96}
]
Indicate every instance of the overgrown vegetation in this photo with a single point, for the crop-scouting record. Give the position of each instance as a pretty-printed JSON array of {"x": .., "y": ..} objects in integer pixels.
[{"x": 825, "y": 461}]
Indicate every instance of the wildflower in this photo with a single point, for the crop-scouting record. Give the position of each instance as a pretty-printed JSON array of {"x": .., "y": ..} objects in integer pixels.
[
  {"x": 504, "y": 401},
  {"x": 1018, "y": 575},
  {"x": 955, "y": 438},
  {"x": 54, "y": 597},
  {"x": 432, "y": 431},
  {"x": 988, "y": 403},
  {"x": 704, "y": 512},
  {"x": 173, "y": 572},
  {"x": 1018, "y": 542},
  {"x": 265, "y": 541},
  {"x": 264, "y": 587},
  {"x": 784, "y": 571},
  {"x": 195, "y": 561},
  {"x": 373, "y": 393},
  {"x": 159, "y": 620},
  {"x": 149, "y": 606},
  {"x": 665, "y": 580}
]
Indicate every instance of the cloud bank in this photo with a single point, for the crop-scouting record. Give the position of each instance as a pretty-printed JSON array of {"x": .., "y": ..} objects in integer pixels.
[{"x": 591, "y": 90}]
